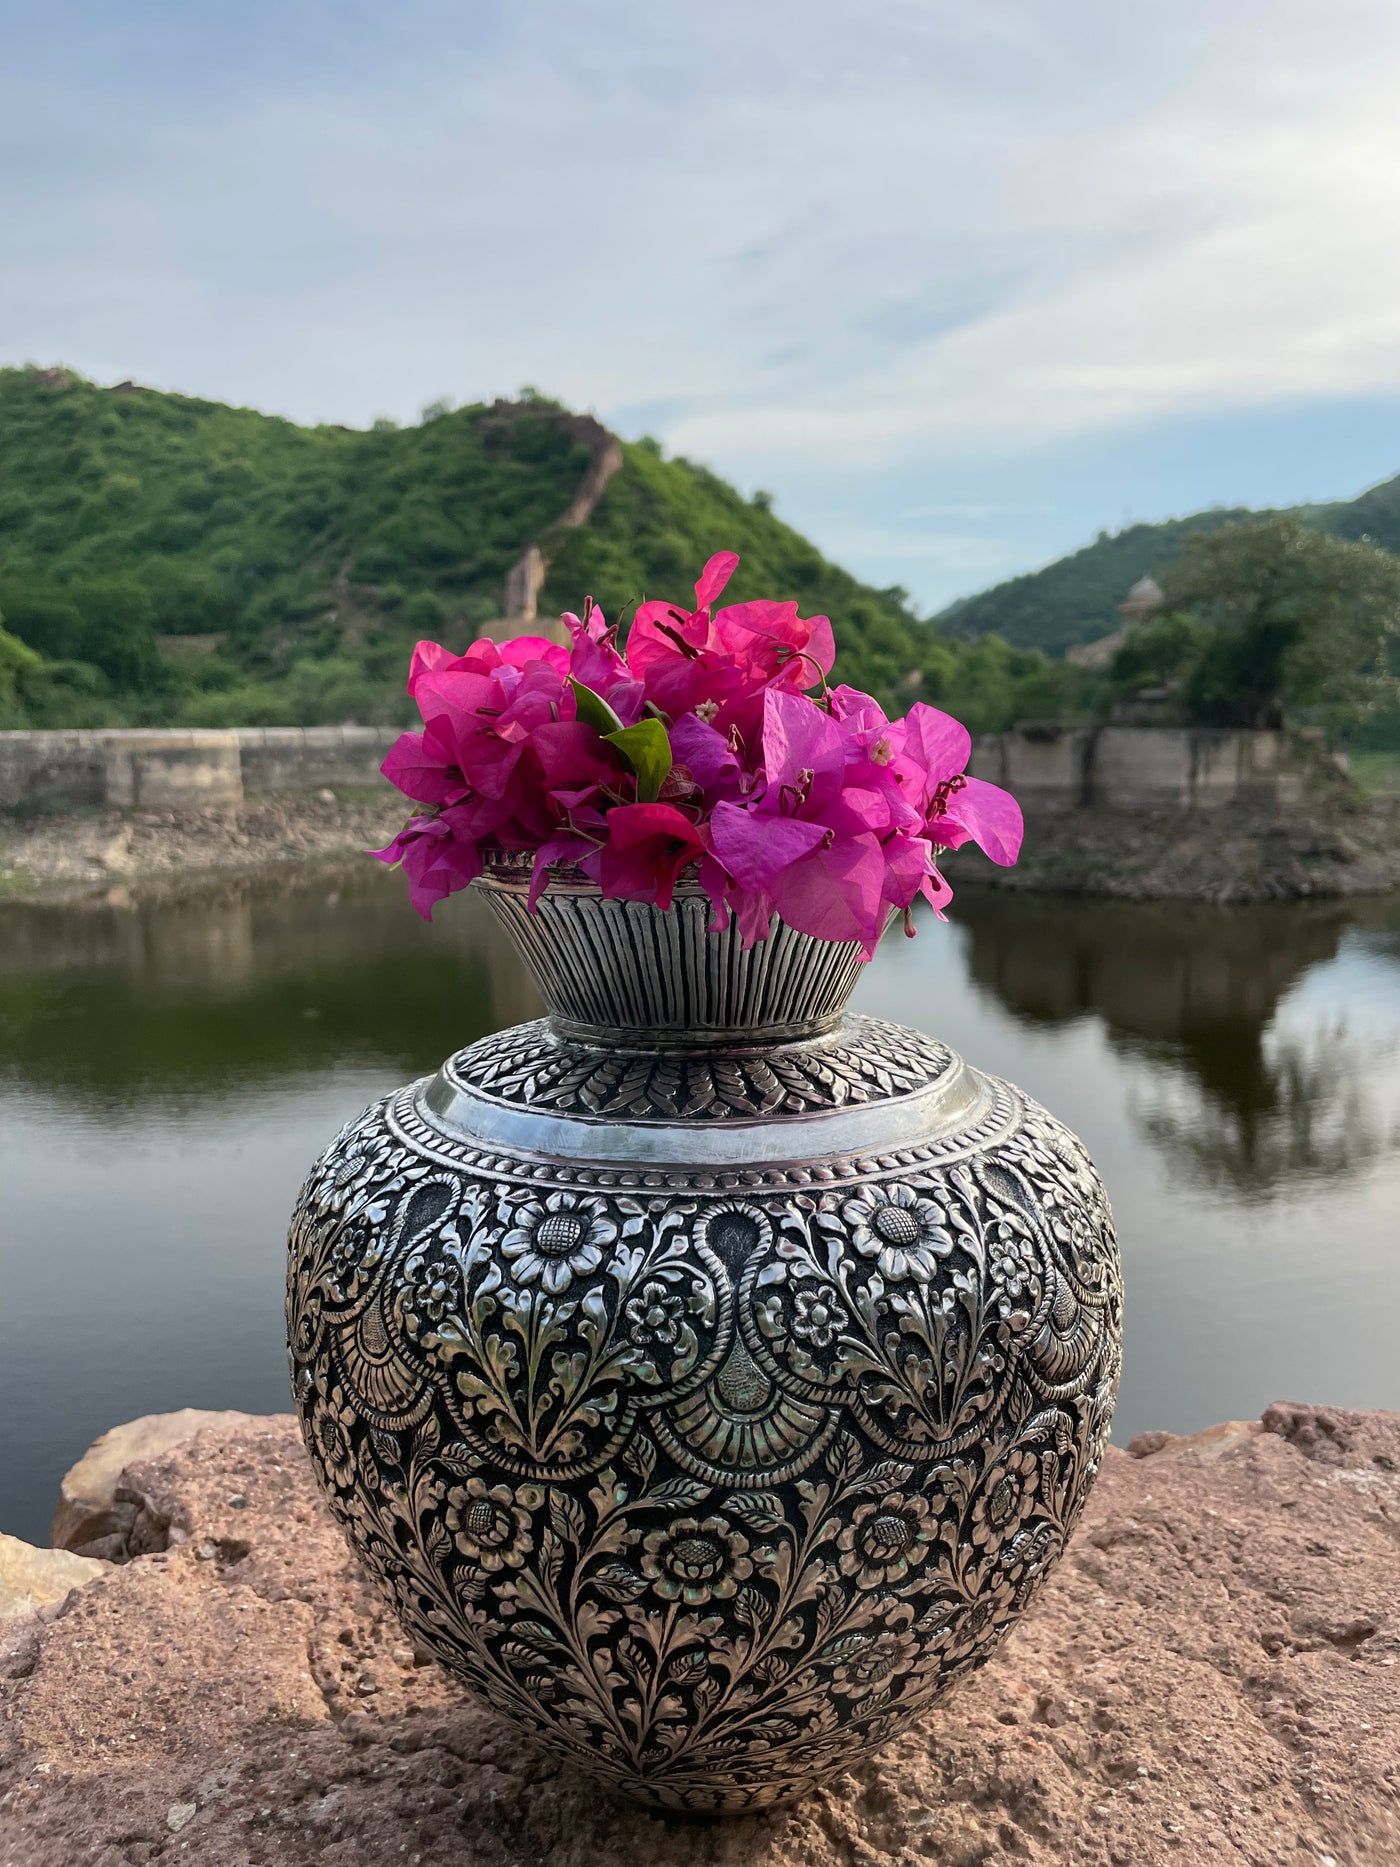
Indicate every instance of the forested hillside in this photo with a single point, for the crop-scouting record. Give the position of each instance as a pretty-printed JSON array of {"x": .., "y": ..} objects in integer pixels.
[
  {"x": 165, "y": 558},
  {"x": 1076, "y": 598}
]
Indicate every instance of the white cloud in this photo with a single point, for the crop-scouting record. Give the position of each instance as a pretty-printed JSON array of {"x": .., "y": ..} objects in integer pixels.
[{"x": 808, "y": 232}]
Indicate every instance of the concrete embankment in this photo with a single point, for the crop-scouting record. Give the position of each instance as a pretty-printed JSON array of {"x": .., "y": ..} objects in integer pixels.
[
  {"x": 161, "y": 770},
  {"x": 1135, "y": 813}
]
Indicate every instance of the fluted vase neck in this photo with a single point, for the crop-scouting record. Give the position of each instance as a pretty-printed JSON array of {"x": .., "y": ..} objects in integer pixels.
[{"x": 629, "y": 975}]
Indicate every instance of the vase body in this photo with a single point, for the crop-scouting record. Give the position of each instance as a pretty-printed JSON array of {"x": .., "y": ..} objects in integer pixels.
[{"x": 709, "y": 1377}]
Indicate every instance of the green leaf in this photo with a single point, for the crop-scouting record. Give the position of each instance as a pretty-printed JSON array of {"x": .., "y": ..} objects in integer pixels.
[
  {"x": 593, "y": 710},
  {"x": 647, "y": 749}
]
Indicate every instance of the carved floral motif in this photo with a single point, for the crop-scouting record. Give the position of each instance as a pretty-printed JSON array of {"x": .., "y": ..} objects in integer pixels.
[{"x": 708, "y": 1482}]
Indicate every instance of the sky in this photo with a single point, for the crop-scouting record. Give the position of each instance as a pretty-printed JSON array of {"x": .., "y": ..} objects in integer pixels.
[{"x": 960, "y": 285}]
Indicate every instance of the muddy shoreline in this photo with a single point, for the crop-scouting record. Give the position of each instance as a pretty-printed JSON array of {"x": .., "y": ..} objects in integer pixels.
[{"x": 1352, "y": 847}]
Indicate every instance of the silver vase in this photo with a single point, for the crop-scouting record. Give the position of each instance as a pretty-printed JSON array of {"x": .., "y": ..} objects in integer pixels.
[{"x": 710, "y": 1377}]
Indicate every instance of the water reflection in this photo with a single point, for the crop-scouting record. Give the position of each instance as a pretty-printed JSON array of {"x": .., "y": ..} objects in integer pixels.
[
  {"x": 1236, "y": 1102},
  {"x": 245, "y": 987},
  {"x": 168, "y": 1073}
]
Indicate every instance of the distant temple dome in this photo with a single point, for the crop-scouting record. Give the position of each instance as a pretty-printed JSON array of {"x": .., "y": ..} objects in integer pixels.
[{"x": 1145, "y": 596}]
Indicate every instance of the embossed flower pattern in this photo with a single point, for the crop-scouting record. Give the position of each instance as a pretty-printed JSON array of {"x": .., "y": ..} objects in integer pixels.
[
  {"x": 355, "y": 1256},
  {"x": 901, "y": 1229},
  {"x": 331, "y": 1422},
  {"x": 924, "y": 1552},
  {"x": 431, "y": 1297},
  {"x": 1007, "y": 1496},
  {"x": 696, "y": 1560},
  {"x": 960, "y": 1628},
  {"x": 553, "y": 1241},
  {"x": 1029, "y": 1554},
  {"x": 655, "y": 1315},
  {"x": 869, "y": 1658},
  {"x": 491, "y": 1524},
  {"x": 1013, "y": 1271},
  {"x": 886, "y": 1539}
]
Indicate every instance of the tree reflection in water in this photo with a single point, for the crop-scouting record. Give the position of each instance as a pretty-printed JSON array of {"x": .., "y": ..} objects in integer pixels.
[
  {"x": 250, "y": 985},
  {"x": 256, "y": 985},
  {"x": 1240, "y": 1101}
]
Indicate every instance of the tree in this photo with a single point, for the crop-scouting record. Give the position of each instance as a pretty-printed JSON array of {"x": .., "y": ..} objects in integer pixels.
[
  {"x": 1161, "y": 652},
  {"x": 19, "y": 670},
  {"x": 1294, "y": 618}
]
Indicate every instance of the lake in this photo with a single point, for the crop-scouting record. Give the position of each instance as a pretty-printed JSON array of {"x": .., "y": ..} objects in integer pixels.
[{"x": 168, "y": 1073}]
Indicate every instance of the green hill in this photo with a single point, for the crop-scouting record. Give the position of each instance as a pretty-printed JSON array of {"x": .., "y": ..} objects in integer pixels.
[
  {"x": 173, "y": 559},
  {"x": 1076, "y": 598}
]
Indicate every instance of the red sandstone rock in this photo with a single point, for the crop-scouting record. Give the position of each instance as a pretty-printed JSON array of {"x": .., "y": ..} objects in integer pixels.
[{"x": 1212, "y": 1677}]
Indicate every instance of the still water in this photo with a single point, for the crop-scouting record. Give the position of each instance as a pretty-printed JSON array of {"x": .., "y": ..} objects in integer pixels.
[{"x": 168, "y": 1073}]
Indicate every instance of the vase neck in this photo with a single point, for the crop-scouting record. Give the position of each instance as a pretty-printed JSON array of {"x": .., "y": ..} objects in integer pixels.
[{"x": 626, "y": 975}]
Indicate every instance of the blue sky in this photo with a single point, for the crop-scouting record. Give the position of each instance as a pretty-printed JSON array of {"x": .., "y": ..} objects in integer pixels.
[{"x": 959, "y": 284}]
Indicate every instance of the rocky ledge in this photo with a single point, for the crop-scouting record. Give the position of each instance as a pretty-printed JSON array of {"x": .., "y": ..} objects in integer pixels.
[
  {"x": 1212, "y": 1676},
  {"x": 1336, "y": 847},
  {"x": 124, "y": 856}
]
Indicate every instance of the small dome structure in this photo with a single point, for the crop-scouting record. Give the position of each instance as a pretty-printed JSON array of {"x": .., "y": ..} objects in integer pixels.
[{"x": 1145, "y": 596}]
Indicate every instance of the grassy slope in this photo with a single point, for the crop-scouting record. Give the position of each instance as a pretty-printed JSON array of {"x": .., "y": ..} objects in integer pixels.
[
  {"x": 1076, "y": 598},
  {"x": 183, "y": 517},
  {"x": 318, "y": 555}
]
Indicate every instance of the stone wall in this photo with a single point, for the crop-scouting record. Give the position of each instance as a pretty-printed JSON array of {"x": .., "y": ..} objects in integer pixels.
[
  {"x": 1149, "y": 767},
  {"x": 1044, "y": 763},
  {"x": 160, "y": 770}
]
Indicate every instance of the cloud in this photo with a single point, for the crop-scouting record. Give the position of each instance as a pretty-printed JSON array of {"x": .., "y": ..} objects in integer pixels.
[{"x": 812, "y": 236}]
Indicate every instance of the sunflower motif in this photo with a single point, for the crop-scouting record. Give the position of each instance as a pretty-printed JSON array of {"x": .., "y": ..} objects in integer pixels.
[
  {"x": 696, "y": 1561},
  {"x": 332, "y": 1422},
  {"x": 553, "y": 1242},
  {"x": 1009, "y": 1492},
  {"x": 491, "y": 1523},
  {"x": 905, "y": 1232},
  {"x": 870, "y": 1658},
  {"x": 818, "y": 1318},
  {"x": 886, "y": 1539}
]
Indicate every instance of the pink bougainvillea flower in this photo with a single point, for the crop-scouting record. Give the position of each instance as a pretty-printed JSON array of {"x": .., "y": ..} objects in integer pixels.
[
  {"x": 424, "y": 767},
  {"x": 594, "y": 661},
  {"x": 821, "y": 811},
  {"x": 565, "y": 846},
  {"x": 648, "y": 845},
  {"x": 708, "y": 756},
  {"x": 716, "y": 574},
  {"x": 773, "y": 643},
  {"x": 576, "y": 763},
  {"x": 436, "y": 860},
  {"x": 803, "y": 842},
  {"x": 717, "y": 663},
  {"x": 982, "y": 813},
  {"x": 960, "y": 809}
]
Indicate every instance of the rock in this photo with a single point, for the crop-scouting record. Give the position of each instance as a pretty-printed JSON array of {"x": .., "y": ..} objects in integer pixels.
[
  {"x": 90, "y": 1518},
  {"x": 1145, "y": 1444},
  {"x": 31, "y": 1579},
  {"x": 116, "y": 854},
  {"x": 1212, "y": 1676}
]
